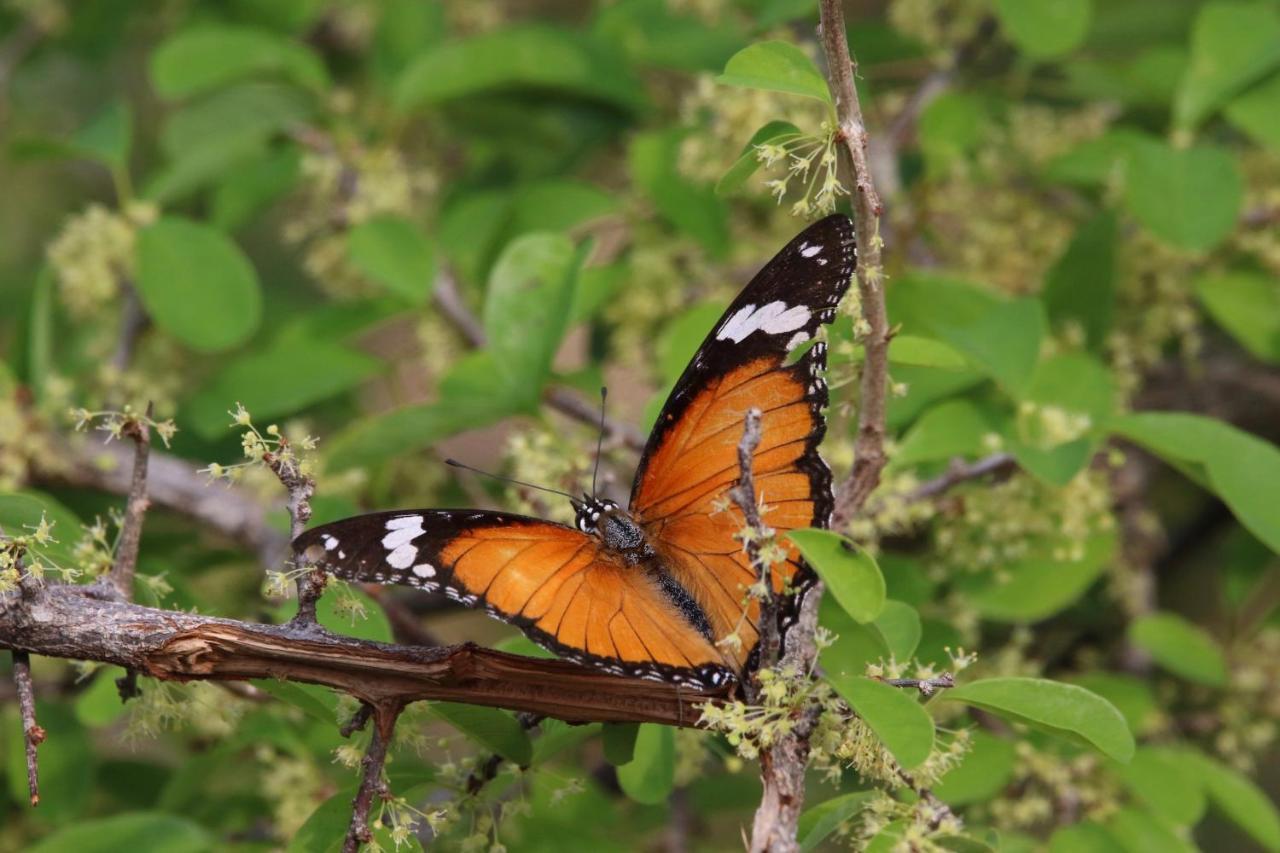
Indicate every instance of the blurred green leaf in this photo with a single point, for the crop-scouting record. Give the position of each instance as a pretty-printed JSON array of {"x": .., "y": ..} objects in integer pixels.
[
  {"x": 897, "y": 718},
  {"x": 821, "y": 820},
  {"x": 951, "y": 127},
  {"x": 1164, "y": 780},
  {"x": 983, "y": 772},
  {"x": 526, "y": 311},
  {"x": 681, "y": 336},
  {"x": 201, "y": 167},
  {"x": 317, "y": 702},
  {"x": 692, "y": 208},
  {"x": 40, "y": 354},
  {"x": 1035, "y": 588},
  {"x": 1255, "y": 113},
  {"x": 558, "y": 205},
  {"x": 155, "y": 832},
  {"x": 1180, "y": 647},
  {"x": 492, "y": 728},
  {"x": 899, "y": 624},
  {"x": 100, "y": 704},
  {"x": 1051, "y": 706},
  {"x": 620, "y": 742},
  {"x": 924, "y": 352},
  {"x": 1244, "y": 470},
  {"x": 535, "y": 57},
  {"x": 953, "y": 428},
  {"x": 404, "y": 28},
  {"x": 1248, "y": 306},
  {"x": 243, "y": 116},
  {"x": 850, "y": 573},
  {"x": 1232, "y": 45},
  {"x": 20, "y": 513},
  {"x": 1080, "y": 287},
  {"x": 1082, "y": 836},
  {"x": 650, "y": 775},
  {"x": 259, "y": 181},
  {"x": 749, "y": 161},
  {"x": 1241, "y": 800},
  {"x": 106, "y": 139},
  {"x": 197, "y": 285},
  {"x": 1063, "y": 386},
  {"x": 1188, "y": 197},
  {"x": 394, "y": 252},
  {"x": 200, "y": 59},
  {"x": 654, "y": 33},
  {"x": 325, "y": 829},
  {"x": 775, "y": 66},
  {"x": 1095, "y": 161},
  {"x": 1138, "y": 831},
  {"x": 1045, "y": 29}
]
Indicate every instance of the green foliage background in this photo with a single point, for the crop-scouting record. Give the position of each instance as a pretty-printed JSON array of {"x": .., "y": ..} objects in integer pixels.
[{"x": 1082, "y": 264}]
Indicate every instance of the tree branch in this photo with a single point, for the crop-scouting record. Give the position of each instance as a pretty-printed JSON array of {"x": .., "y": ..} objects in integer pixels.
[
  {"x": 67, "y": 621},
  {"x": 32, "y": 734},
  {"x": 744, "y": 495},
  {"x": 372, "y": 783},
  {"x": 958, "y": 472},
  {"x": 135, "y": 511}
]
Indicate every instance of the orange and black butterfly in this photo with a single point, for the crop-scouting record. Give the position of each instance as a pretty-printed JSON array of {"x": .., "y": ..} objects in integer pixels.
[{"x": 652, "y": 590}]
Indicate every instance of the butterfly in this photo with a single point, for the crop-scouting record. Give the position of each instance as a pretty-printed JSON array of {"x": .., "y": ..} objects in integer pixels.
[{"x": 659, "y": 589}]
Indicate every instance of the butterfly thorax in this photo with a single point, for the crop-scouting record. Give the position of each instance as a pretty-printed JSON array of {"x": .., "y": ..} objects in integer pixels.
[{"x": 616, "y": 529}]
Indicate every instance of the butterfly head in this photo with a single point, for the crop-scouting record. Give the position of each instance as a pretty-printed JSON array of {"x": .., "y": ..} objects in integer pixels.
[{"x": 590, "y": 510}]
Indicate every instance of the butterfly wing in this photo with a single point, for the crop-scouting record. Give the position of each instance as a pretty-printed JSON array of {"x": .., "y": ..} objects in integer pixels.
[
  {"x": 691, "y": 462},
  {"x": 552, "y": 581}
]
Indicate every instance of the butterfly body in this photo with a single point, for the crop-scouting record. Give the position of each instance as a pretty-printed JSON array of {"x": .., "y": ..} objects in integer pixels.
[{"x": 659, "y": 589}]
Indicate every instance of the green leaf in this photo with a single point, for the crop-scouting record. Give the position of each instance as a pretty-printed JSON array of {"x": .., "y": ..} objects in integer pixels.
[
  {"x": 392, "y": 251},
  {"x": 1164, "y": 780},
  {"x": 1188, "y": 197},
  {"x": 258, "y": 182},
  {"x": 1232, "y": 45},
  {"x": 1095, "y": 161},
  {"x": 1248, "y": 306},
  {"x": 1242, "y": 469},
  {"x": 1069, "y": 384},
  {"x": 1180, "y": 647},
  {"x": 855, "y": 646},
  {"x": 983, "y": 772},
  {"x": 899, "y": 624},
  {"x": 534, "y": 57},
  {"x": 1254, "y": 112},
  {"x": 197, "y": 60},
  {"x": 1060, "y": 709},
  {"x": 1084, "y": 836},
  {"x": 620, "y": 742},
  {"x": 680, "y": 337},
  {"x": 650, "y": 775},
  {"x": 1045, "y": 29},
  {"x": 950, "y": 429},
  {"x": 240, "y": 117},
  {"x": 316, "y": 702},
  {"x": 897, "y": 718},
  {"x": 850, "y": 573},
  {"x": 951, "y": 127},
  {"x": 1132, "y": 696},
  {"x": 495, "y": 730},
  {"x": 154, "y": 832},
  {"x": 1081, "y": 286},
  {"x": 100, "y": 704},
  {"x": 1242, "y": 801},
  {"x": 283, "y": 378},
  {"x": 527, "y": 309},
  {"x": 924, "y": 352},
  {"x": 197, "y": 285},
  {"x": 1137, "y": 832},
  {"x": 775, "y": 66},
  {"x": 1037, "y": 587},
  {"x": 325, "y": 830},
  {"x": 20, "y": 514},
  {"x": 821, "y": 820},
  {"x": 107, "y": 137},
  {"x": 748, "y": 161},
  {"x": 654, "y": 33},
  {"x": 693, "y": 209}
]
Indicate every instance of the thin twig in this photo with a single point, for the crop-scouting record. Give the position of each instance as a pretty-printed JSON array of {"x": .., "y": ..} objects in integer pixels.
[
  {"x": 301, "y": 488},
  {"x": 958, "y": 472},
  {"x": 926, "y": 686},
  {"x": 135, "y": 510},
  {"x": 373, "y": 784},
  {"x": 358, "y": 720},
  {"x": 32, "y": 734},
  {"x": 744, "y": 495}
]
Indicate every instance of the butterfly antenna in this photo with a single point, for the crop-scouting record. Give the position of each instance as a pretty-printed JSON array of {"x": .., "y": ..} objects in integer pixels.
[
  {"x": 454, "y": 463},
  {"x": 604, "y": 393}
]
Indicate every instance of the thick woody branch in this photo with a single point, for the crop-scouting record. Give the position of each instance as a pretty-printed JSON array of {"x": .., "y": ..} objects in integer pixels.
[
  {"x": 63, "y": 621},
  {"x": 32, "y": 734},
  {"x": 744, "y": 495}
]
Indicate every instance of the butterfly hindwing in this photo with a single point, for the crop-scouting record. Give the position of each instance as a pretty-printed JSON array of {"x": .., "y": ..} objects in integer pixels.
[
  {"x": 554, "y": 582},
  {"x": 690, "y": 462}
]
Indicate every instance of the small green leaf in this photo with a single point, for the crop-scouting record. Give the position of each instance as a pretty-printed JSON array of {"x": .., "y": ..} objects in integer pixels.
[
  {"x": 1080, "y": 287},
  {"x": 494, "y": 729},
  {"x": 200, "y": 59},
  {"x": 526, "y": 311},
  {"x": 1082, "y": 836},
  {"x": 899, "y": 624},
  {"x": 748, "y": 161},
  {"x": 850, "y": 573},
  {"x": 197, "y": 285},
  {"x": 1138, "y": 831},
  {"x": 1237, "y": 797},
  {"x": 775, "y": 66},
  {"x": 325, "y": 829},
  {"x": 855, "y": 646},
  {"x": 650, "y": 775},
  {"x": 107, "y": 137},
  {"x": 950, "y": 429},
  {"x": 1037, "y": 587},
  {"x": 392, "y": 251},
  {"x": 1254, "y": 112},
  {"x": 1232, "y": 45},
  {"x": 1248, "y": 306},
  {"x": 258, "y": 182},
  {"x": 1061, "y": 709},
  {"x": 897, "y": 718},
  {"x": 1166, "y": 781},
  {"x": 1188, "y": 197},
  {"x": 1180, "y": 647},
  {"x": 821, "y": 820},
  {"x": 239, "y": 117},
  {"x": 101, "y": 704},
  {"x": 1244, "y": 470},
  {"x": 1045, "y": 29},
  {"x": 154, "y": 832},
  {"x": 620, "y": 742},
  {"x": 925, "y": 352},
  {"x": 951, "y": 127},
  {"x": 983, "y": 772},
  {"x": 20, "y": 514}
]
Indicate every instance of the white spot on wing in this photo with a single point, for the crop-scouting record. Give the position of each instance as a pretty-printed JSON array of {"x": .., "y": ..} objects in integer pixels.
[
  {"x": 329, "y": 542},
  {"x": 810, "y": 251},
  {"x": 404, "y": 530},
  {"x": 796, "y": 340},
  {"x": 773, "y": 319},
  {"x": 402, "y": 557},
  {"x": 424, "y": 570}
]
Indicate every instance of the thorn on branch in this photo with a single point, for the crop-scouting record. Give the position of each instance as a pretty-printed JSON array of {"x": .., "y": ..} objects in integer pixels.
[
  {"x": 744, "y": 495},
  {"x": 32, "y": 734},
  {"x": 373, "y": 783}
]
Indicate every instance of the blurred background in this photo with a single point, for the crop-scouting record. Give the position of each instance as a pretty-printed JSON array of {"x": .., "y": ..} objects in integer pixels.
[{"x": 315, "y": 208}]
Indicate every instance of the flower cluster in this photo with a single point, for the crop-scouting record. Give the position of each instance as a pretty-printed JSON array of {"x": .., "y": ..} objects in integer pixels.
[
  {"x": 811, "y": 162},
  {"x": 94, "y": 254},
  {"x": 118, "y": 424}
]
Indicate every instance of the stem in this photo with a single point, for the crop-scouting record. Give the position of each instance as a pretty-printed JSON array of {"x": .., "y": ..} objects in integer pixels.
[{"x": 32, "y": 734}]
